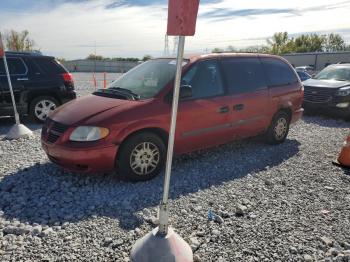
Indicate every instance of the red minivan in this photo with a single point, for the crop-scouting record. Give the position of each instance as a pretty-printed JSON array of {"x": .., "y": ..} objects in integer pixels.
[{"x": 125, "y": 127}]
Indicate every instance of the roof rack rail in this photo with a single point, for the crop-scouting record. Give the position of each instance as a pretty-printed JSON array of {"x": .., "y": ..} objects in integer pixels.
[{"x": 38, "y": 53}]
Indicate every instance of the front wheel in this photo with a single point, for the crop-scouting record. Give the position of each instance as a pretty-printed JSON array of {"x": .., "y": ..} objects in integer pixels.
[
  {"x": 278, "y": 129},
  {"x": 41, "y": 107},
  {"x": 141, "y": 157}
]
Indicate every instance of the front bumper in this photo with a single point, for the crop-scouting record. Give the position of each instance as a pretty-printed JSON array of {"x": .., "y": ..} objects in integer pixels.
[
  {"x": 85, "y": 160},
  {"x": 297, "y": 114},
  {"x": 337, "y": 106}
]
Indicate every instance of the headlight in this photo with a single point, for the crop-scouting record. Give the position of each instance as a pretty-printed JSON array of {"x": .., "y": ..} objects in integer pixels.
[
  {"x": 344, "y": 91},
  {"x": 88, "y": 133}
]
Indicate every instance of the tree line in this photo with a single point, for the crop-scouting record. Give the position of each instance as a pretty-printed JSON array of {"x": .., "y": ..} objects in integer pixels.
[
  {"x": 281, "y": 43},
  {"x": 129, "y": 59},
  {"x": 21, "y": 42}
]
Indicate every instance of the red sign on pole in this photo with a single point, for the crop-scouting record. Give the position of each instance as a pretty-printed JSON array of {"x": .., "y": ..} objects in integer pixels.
[
  {"x": 2, "y": 49},
  {"x": 182, "y": 17}
]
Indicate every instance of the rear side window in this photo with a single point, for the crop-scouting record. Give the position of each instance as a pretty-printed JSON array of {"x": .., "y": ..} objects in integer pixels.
[
  {"x": 278, "y": 72},
  {"x": 243, "y": 74},
  {"x": 16, "y": 66},
  {"x": 50, "y": 66}
]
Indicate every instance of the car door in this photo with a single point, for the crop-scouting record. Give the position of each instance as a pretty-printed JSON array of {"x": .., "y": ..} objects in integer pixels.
[
  {"x": 18, "y": 74},
  {"x": 248, "y": 93},
  {"x": 204, "y": 119}
]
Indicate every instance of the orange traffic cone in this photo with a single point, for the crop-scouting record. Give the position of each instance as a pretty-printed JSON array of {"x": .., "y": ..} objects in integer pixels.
[{"x": 344, "y": 156}]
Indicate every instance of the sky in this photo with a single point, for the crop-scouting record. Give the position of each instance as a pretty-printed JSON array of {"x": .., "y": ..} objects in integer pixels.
[{"x": 73, "y": 29}]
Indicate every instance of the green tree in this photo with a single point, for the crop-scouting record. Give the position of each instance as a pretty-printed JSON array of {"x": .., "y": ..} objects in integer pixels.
[
  {"x": 95, "y": 57},
  {"x": 19, "y": 41},
  {"x": 146, "y": 57},
  {"x": 334, "y": 42},
  {"x": 309, "y": 43},
  {"x": 218, "y": 50},
  {"x": 256, "y": 49},
  {"x": 278, "y": 43}
]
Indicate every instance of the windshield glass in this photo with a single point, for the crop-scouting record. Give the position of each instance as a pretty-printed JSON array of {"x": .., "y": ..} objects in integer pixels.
[
  {"x": 340, "y": 73},
  {"x": 148, "y": 78}
]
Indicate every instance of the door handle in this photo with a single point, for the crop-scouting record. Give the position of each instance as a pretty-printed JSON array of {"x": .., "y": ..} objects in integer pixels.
[
  {"x": 223, "y": 109},
  {"x": 238, "y": 107},
  {"x": 22, "y": 79}
]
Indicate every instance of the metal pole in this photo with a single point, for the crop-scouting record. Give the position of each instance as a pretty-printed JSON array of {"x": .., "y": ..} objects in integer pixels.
[
  {"x": 163, "y": 208},
  {"x": 11, "y": 91}
]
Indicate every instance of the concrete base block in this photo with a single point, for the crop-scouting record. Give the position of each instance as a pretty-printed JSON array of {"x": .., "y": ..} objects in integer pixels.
[
  {"x": 154, "y": 247},
  {"x": 18, "y": 131}
]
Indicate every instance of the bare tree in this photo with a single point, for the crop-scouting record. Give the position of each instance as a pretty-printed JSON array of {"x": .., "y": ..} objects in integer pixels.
[{"x": 19, "y": 41}]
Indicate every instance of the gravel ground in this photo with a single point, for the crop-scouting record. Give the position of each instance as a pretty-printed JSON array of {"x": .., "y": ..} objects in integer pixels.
[{"x": 270, "y": 203}]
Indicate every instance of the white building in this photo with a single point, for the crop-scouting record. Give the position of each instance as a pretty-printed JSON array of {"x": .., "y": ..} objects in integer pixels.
[{"x": 318, "y": 60}]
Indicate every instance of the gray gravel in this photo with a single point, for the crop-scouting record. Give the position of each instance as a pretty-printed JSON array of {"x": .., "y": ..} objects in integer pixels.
[{"x": 268, "y": 203}]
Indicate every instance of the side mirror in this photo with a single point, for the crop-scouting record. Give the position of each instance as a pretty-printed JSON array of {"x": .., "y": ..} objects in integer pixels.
[{"x": 185, "y": 91}]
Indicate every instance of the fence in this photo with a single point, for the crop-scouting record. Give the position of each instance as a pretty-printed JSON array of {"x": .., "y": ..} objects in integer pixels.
[{"x": 99, "y": 66}]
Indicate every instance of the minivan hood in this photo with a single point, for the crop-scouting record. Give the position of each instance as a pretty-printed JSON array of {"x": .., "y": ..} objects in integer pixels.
[
  {"x": 325, "y": 83},
  {"x": 83, "y": 108}
]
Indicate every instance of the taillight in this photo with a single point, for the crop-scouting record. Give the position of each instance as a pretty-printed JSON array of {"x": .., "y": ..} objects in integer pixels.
[
  {"x": 67, "y": 77},
  {"x": 68, "y": 81}
]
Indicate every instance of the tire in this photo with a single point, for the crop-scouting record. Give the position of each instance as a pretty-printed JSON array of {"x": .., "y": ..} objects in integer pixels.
[
  {"x": 279, "y": 128},
  {"x": 141, "y": 157},
  {"x": 46, "y": 103}
]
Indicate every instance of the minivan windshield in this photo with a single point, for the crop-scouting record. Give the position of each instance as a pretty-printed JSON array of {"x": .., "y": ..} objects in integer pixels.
[
  {"x": 340, "y": 73},
  {"x": 148, "y": 78}
]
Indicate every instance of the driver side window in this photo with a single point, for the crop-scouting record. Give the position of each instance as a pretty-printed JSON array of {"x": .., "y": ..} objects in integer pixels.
[{"x": 205, "y": 79}]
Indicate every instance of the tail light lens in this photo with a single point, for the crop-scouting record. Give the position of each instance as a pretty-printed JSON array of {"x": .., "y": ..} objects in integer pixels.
[
  {"x": 68, "y": 81},
  {"x": 67, "y": 77}
]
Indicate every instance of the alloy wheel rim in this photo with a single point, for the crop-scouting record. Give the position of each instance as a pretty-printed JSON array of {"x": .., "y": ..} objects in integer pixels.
[
  {"x": 144, "y": 158},
  {"x": 43, "y": 108},
  {"x": 281, "y": 128}
]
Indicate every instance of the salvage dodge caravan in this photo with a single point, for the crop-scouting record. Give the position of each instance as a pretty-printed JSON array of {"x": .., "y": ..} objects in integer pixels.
[{"x": 125, "y": 127}]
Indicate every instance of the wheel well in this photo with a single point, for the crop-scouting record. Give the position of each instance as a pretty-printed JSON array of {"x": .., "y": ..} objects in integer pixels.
[
  {"x": 32, "y": 96},
  {"x": 155, "y": 130},
  {"x": 288, "y": 111}
]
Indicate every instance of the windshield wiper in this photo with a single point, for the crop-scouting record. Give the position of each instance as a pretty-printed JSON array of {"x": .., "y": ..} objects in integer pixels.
[
  {"x": 118, "y": 92},
  {"x": 124, "y": 90}
]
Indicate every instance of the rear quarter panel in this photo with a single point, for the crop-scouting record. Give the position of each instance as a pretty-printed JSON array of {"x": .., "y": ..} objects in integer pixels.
[{"x": 286, "y": 97}]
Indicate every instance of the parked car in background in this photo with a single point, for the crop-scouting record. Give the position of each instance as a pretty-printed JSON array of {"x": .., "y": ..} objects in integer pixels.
[
  {"x": 308, "y": 69},
  {"x": 40, "y": 84},
  {"x": 303, "y": 75},
  {"x": 223, "y": 97},
  {"x": 329, "y": 90}
]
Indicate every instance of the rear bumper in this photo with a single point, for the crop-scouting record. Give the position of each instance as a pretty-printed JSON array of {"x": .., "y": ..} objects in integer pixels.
[
  {"x": 297, "y": 114},
  {"x": 84, "y": 160},
  {"x": 68, "y": 96}
]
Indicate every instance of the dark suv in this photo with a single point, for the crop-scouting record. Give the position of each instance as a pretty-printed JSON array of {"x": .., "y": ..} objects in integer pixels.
[
  {"x": 329, "y": 91},
  {"x": 40, "y": 84}
]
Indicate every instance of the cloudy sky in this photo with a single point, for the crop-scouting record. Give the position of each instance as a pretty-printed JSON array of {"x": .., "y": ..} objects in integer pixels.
[{"x": 71, "y": 28}]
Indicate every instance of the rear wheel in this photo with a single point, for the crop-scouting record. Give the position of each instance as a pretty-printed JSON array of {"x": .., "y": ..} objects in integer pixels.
[
  {"x": 278, "y": 129},
  {"x": 141, "y": 157},
  {"x": 41, "y": 107}
]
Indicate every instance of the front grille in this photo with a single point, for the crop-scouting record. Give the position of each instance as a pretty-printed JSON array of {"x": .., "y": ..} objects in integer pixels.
[
  {"x": 318, "y": 94},
  {"x": 54, "y": 130}
]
